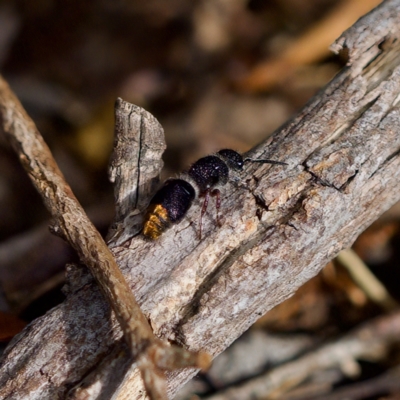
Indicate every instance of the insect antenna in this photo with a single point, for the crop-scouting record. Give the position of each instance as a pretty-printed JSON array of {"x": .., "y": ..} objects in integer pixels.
[{"x": 264, "y": 161}]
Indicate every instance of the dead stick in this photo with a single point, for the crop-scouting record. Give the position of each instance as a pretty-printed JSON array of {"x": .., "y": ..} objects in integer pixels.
[
  {"x": 71, "y": 222},
  {"x": 370, "y": 341},
  {"x": 280, "y": 229}
]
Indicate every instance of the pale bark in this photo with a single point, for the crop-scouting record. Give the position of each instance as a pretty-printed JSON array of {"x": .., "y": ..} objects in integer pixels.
[
  {"x": 70, "y": 222},
  {"x": 281, "y": 226}
]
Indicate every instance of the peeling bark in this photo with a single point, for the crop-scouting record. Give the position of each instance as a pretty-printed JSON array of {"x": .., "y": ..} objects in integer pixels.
[{"x": 282, "y": 225}]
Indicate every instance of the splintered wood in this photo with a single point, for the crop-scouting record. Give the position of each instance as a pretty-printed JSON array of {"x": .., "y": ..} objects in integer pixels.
[
  {"x": 150, "y": 354},
  {"x": 281, "y": 226}
]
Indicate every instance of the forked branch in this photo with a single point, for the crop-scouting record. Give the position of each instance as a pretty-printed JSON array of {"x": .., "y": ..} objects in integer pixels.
[
  {"x": 282, "y": 225},
  {"x": 71, "y": 223}
]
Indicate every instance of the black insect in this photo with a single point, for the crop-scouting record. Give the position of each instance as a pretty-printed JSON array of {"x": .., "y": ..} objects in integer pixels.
[{"x": 171, "y": 203}]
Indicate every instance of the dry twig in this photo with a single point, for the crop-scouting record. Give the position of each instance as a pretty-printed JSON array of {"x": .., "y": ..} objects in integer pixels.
[
  {"x": 282, "y": 225},
  {"x": 369, "y": 342},
  {"x": 366, "y": 280},
  {"x": 388, "y": 382},
  {"x": 310, "y": 47},
  {"x": 71, "y": 222}
]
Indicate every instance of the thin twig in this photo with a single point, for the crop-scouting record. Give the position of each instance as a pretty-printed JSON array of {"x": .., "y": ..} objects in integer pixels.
[
  {"x": 382, "y": 384},
  {"x": 71, "y": 222},
  {"x": 280, "y": 228},
  {"x": 366, "y": 280},
  {"x": 311, "y": 46},
  {"x": 370, "y": 341}
]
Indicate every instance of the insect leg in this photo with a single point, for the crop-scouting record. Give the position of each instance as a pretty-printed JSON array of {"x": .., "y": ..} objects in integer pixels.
[
  {"x": 206, "y": 195},
  {"x": 216, "y": 193}
]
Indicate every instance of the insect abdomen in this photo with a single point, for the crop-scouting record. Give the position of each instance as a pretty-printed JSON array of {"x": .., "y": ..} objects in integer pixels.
[{"x": 168, "y": 206}]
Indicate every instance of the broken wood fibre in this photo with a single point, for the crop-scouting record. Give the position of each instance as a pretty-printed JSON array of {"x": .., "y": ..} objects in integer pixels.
[{"x": 281, "y": 227}]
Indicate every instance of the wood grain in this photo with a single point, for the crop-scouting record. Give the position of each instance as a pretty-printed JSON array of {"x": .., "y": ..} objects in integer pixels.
[{"x": 281, "y": 226}]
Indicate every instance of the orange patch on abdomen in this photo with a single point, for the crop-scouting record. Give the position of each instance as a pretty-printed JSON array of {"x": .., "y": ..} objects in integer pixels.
[{"x": 156, "y": 221}]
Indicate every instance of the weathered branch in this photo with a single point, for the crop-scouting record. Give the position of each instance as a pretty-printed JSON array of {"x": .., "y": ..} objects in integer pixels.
[
  {"x": 282, "y": 225},
  {"x": 71, "y": 222}
]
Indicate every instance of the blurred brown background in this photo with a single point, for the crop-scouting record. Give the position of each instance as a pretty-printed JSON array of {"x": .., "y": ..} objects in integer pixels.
[{"x": 215, "y": 73}]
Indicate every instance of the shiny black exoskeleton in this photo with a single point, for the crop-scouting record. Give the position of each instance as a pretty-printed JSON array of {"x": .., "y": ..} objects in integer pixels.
[
  {"x": 171, "y": 203},
  {"x": 208, "y": 172}
]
